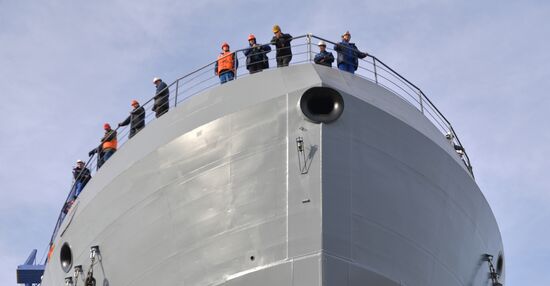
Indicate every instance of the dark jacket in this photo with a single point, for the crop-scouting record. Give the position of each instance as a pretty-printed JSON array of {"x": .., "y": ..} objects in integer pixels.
[
  {"x": 136, "y": 119},
  {"x": 282, "y": 45},
  {"x": 162, "y": 95},
  {"x": 256, "y": 57},
  {"x": 348, "y": 54},
  {"x": 324, "y": 58},
  {"x": 83, "y": 175}
]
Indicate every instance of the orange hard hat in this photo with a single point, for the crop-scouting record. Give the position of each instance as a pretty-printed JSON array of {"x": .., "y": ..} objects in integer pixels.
[
  {"x": 134, "y": 102},
  {"x": 251, "y": 37},
  {"x": 106, "y": 126},
  {"x": 225, "y": 44}
]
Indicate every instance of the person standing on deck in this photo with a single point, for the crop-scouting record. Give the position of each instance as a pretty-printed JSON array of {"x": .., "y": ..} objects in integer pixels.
[
  {"x": 256, "y": 56},
  {"x": 81, "y": 176},
  {"x": 162, "y": 95},
  {"x": 226, "y": 65},
  {"x": 323, "y": 57},
  {"x": 136, "y": 119},
  {"x": 348, "y": 54},
  {"x": 282, "y": 44},
  {"x": 107, "y": 147}
]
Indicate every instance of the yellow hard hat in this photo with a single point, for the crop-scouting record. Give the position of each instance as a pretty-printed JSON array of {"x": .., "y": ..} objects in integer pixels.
[{"x": 276, "y": 29}]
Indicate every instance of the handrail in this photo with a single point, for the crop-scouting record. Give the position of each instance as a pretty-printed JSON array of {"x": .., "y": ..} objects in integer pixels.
[
  {"x": 198, "y": 80},
  {"x": 60, "y": 217},
  {"x": 432, "y": 105}
]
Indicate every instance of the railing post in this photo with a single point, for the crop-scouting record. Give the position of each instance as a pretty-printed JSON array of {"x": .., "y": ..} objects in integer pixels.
[
  {"x": 235, "y": 59},
  {"x": 308, "y": 40},
  {"x": 176, "y": 97},
  {"x": 421, "y": 102},
  {"x": 375, "y": 73}
]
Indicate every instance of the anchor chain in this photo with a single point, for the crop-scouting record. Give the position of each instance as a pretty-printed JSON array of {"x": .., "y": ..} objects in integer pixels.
[
  {"x": 493, "y": 274},
  {"x": 76, "y": 275},
  {"x": 90, "y": 280}
]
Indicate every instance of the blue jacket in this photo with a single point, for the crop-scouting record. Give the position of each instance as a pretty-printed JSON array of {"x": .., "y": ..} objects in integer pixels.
[
  {"x": 348, "y": 54},
  {"x": 324, "y": 58},
  {"x": 256, "y": 57},
  {"x": 161, "y": 98}
]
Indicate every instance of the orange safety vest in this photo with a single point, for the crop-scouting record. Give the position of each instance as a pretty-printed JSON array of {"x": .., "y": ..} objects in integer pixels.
[
  {"x": 110, "y": 144},
  {"x": 50, "y": 252},
  {"x": 226, "y": 62}
]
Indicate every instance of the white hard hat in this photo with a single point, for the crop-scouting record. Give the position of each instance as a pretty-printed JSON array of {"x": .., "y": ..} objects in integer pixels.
[
  {"x": 156, "y": 79},
  {"x": 322, "y": 43},
  {"x": 79, "y": 161}
]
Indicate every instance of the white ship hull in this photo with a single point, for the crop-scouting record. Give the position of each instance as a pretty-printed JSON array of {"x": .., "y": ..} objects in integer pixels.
[{"x": 216, "y": 192}]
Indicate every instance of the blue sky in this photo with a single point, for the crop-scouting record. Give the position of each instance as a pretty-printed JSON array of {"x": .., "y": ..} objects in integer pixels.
[{"x": 68, "y": 66}]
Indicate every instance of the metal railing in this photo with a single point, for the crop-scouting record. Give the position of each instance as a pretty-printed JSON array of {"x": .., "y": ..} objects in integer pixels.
[{"x": 370, "y": 68}]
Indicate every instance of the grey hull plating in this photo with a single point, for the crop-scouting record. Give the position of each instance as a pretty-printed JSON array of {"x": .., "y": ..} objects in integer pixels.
[{"x": 212, "y": 193}]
